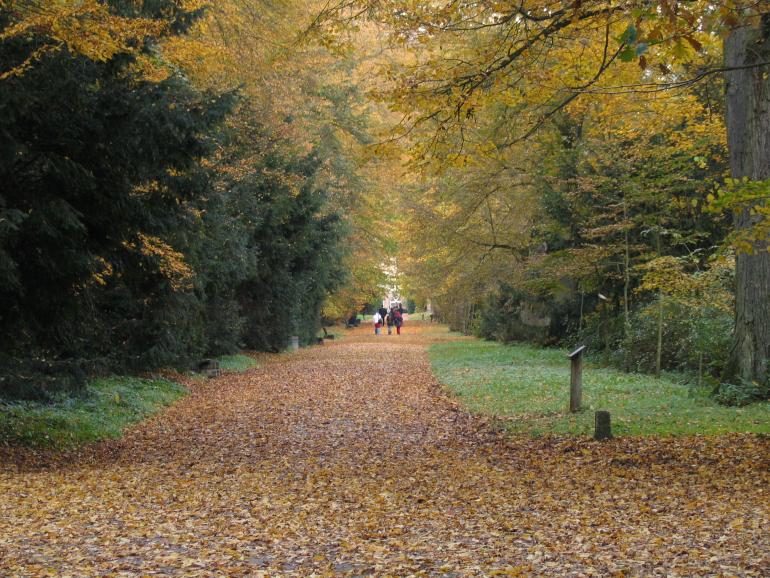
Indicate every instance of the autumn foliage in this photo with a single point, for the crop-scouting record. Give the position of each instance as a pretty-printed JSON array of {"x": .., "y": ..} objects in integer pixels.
[
  {"x": 562, "y": 147},
  {"x": 189, "y": 178}
]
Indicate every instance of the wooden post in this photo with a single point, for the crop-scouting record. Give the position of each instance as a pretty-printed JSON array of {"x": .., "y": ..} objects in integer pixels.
[
  {"x": 576, "y": 379},
  {"x": 602, "y": 426}
]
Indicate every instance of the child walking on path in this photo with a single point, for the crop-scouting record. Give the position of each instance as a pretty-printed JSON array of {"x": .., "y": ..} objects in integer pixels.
[{"x": 377, "y": 318}]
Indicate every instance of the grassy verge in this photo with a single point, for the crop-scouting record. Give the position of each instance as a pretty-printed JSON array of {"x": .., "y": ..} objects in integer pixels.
[
  {"x": 103, "y": 411},
  {"x": 237, "y": 362},
  {"x": 528, "y": 388},
  {"x": 419, "y": 316}
]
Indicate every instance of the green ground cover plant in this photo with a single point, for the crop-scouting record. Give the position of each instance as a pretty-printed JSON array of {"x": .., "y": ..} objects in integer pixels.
[
  {"x": 104, "y": 410},
  {"x": 237, "y": 362},
  {"x": 528, "y": 389}
]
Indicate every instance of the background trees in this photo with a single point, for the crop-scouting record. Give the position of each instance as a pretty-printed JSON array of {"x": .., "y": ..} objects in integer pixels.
[
  {"x": 162, "y": 199},
  {"x": 188, "y": 177},
  {"x": 615, "y": 111},
  {"x": 101, "y": 169}
]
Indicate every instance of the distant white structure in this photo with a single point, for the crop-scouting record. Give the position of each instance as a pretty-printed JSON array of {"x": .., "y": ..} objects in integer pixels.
[
  {"x": 391, "y": 299},
  {"x": 392, "y": 294}
]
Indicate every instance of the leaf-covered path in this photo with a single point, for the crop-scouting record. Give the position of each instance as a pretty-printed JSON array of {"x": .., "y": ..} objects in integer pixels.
[{"x": 348, "y": 459}]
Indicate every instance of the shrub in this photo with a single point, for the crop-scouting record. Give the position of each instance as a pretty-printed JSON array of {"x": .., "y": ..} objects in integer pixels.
[
  {"x": 741, "y": 394},
  {"x": 513, "y": 315},
  {"x": 691, "y": 335}
]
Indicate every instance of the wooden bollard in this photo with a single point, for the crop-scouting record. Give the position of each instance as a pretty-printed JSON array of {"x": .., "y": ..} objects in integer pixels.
[
  {"x": 576, "y": 379},
  {"x": 602, "y": 426}
]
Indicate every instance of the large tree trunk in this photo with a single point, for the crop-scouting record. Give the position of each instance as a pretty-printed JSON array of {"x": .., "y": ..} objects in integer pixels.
[{"x": 748, "y": 136}]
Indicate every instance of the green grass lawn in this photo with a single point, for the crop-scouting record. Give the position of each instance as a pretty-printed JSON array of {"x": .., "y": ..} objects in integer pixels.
[
  {"x": 238, "y": 362},
  {"x": 528, "y": 388},
  {"x": 419, "y": 316},
  {"x": 103, "y": 410},
  {"x": 106, "y": 408}
]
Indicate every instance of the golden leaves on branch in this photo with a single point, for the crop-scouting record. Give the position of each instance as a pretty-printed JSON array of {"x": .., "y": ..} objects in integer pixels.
[
  {"x": 207, "y": 62},
  {"x": 669, "y": 276},
  {"x": 83, "y": 27},
  {"x": 171, "y": 263}
]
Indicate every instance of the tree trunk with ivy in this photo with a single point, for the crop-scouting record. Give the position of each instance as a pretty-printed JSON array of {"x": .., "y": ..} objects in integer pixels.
[{"x": 748, "y": 127}]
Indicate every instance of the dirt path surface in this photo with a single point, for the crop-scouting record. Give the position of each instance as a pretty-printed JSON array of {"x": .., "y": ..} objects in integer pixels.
[{"x": 348, "y": 460}]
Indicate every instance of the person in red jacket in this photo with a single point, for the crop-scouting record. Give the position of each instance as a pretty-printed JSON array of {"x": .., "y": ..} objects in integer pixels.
[{"x": 398, "y": 320}]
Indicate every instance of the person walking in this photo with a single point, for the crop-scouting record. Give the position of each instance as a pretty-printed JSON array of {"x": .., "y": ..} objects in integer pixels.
[
  {"x": 398, "y": 320},
  {"x": 383, "y": 313},
  {"x": 377, "y": 318},
  {"x": 390, "y": 321}
]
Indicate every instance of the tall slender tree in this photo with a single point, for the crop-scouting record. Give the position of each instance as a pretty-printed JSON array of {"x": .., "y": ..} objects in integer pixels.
[{"x": 747, "y": 61}]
